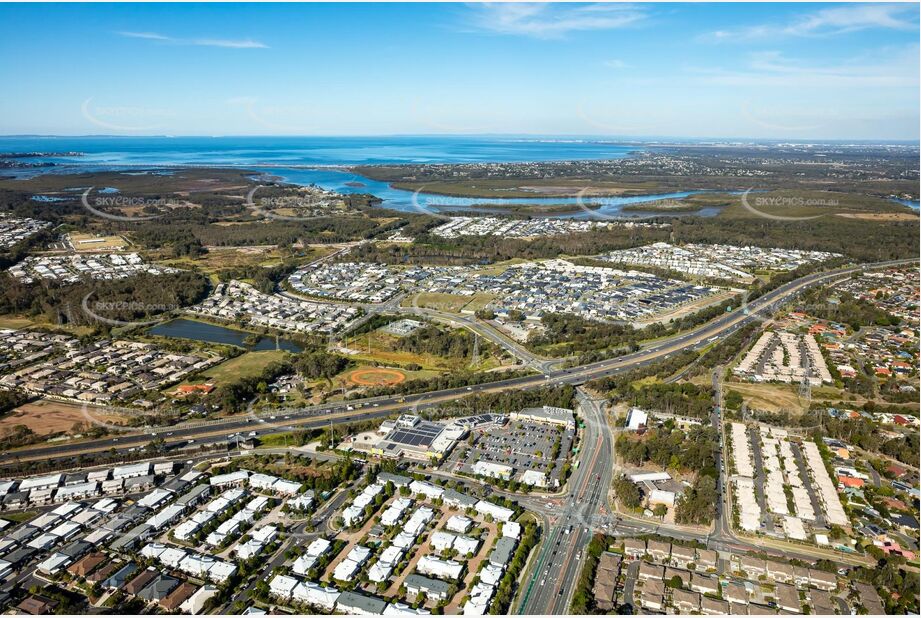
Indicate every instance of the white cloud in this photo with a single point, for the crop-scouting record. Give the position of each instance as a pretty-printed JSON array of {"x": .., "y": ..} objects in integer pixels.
[
  {"x": 235, "y": 44},
  {"x": 152, "y": 36},
  {"x": 773, "y": 69},
  {"x": 830, "y": 21},
  {"x": 200, "y": 42},
  {"x": 552, "y": 21},
  {"x": 616, "y": 63}
]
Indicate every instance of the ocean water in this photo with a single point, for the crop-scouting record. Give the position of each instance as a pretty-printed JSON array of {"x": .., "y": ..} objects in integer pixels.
[
  {"x": 310, "y": 151},
  {"x": 322, "y": 161}
]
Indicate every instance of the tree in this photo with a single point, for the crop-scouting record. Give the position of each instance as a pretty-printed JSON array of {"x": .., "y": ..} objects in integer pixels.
[
  {"x": 698, "y": 504},
  {"x": 320, "y": 364},
  {"x": 660, "y": 510},
  {"x": 733, "y": 400},
  {"x": 627, "y": 492},
  {"x": 191, "y": 247}
]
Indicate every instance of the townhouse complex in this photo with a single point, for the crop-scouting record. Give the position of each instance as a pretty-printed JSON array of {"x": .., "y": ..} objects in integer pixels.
[
  {"x": 101, "y": 372},
  {"x": 238, "y": 301},
  {"x": 717, "y": 261},
  {"x": 504, "y": 227},
  {"x": 14, "y": 230},
  {"x": 407, "y": 547},
  {"x": 75, "y": 268}
]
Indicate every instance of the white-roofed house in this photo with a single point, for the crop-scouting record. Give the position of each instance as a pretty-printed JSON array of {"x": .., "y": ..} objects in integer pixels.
[
  {"x": 497, "y": 512},
  {"x": 459, "y": 523},
  {"x": 436, "y": 567},
  {"x": 511, "y": 529},
  {"x": 465, "y": 545},
  {"x": 237, "y": 478},
  {"x": 314, "y": 595},
  {"x": 282, "y": 586},
  {"x": 346, "y": 569},
  {"x": 221, "y": 571},
  {"x": 286, "y": 487},
  {"x": 428, "y": 490}
]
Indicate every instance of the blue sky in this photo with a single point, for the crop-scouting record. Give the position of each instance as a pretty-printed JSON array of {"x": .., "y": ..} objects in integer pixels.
[{"x": 785, "y": 71}]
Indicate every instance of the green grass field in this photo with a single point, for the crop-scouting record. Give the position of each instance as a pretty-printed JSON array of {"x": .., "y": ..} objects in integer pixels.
[
  {"x": 451, "y": 303},
  {"x": 246, "y": 365},
  {"x": 20, "y": 517},
  {"x": 802, "y": 203},
  {"x": 12, "y": 321},
  {"x": 217, "y": 260}
]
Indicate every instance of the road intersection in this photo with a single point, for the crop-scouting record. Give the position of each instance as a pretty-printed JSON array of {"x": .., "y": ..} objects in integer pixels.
[
  {"x": 315, "y": 417},
  {"x": 569, "y": 520}
]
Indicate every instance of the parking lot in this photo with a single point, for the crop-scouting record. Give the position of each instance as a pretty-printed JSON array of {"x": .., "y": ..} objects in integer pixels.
[{"x": 521, "y": 445}]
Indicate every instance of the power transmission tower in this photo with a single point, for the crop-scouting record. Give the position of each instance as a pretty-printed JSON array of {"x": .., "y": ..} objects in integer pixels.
[{"x": 475, "y": 359}]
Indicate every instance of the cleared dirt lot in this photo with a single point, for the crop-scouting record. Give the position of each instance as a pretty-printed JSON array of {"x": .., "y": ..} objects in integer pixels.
[
  {"x": 887, "y": 216},
  {"x": 770, "y": 397},
  {"x": 46, "y": 417},
  {"x": 88, "y": 243}
]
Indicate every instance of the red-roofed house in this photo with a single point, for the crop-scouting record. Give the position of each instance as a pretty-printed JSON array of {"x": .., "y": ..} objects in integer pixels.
[
  {"x": 894, "y": 504},
  {"x": 891, "y": 547},
  {"x": 849, "y": 481},
  {"x": 847, "y": 371}
]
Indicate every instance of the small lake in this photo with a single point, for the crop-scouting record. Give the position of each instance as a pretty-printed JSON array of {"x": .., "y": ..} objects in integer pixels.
[{"x": 211, "y": 333}]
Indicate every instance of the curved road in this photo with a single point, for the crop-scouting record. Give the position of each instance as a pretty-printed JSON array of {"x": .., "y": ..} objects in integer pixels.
[{"x": 315, "y": 417}]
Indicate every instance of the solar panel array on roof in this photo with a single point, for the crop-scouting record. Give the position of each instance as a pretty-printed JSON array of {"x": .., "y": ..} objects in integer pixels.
[{"x": 422, "y": 434}]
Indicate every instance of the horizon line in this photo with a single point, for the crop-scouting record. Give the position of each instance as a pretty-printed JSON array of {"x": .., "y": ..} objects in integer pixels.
[{"x": 557, "y": 136}]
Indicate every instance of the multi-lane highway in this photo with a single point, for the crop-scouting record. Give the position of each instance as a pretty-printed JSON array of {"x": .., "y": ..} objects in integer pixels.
[
  {"x": 314, "y": 417},
  {"x": 550, "y": 584}
]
